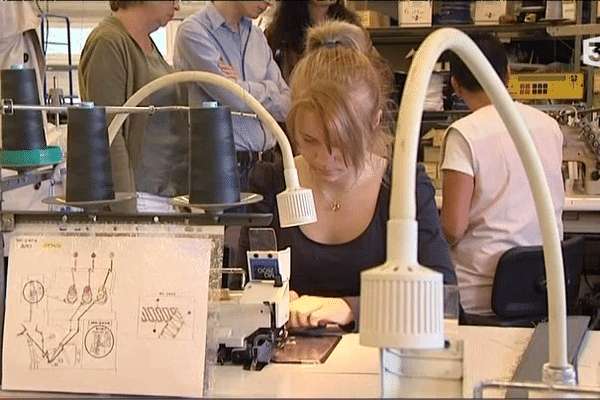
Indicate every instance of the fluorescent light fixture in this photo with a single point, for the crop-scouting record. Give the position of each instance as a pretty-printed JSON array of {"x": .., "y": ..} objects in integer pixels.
[{"x": 295, "y": 204}]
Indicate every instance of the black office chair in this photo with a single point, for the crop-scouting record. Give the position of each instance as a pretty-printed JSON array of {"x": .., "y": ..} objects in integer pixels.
[{"x": 519, "y": 296}]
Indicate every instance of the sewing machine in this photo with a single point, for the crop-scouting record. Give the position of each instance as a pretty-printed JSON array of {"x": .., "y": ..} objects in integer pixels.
[
  {"x": 432, "y": 143},
  {"x": 252, "y": 323},
  {"x": 581, "y": 158}
]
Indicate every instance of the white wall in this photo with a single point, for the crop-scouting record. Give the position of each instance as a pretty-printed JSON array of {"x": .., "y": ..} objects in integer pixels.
[
  {"x": 95, "y": 10},
  {"x": 83, "y": 17}
]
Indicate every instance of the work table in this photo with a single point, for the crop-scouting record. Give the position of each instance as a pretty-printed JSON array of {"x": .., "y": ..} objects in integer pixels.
[{"x": 352, "y": 370}]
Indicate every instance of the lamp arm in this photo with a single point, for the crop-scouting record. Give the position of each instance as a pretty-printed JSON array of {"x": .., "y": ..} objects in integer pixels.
[
  {"x": 402, "y": 203},
  {"x": 290, "y": 173}
]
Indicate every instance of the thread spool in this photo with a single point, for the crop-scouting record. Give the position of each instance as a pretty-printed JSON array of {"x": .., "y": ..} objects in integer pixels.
[
  {"x": 214, "y": 177},
  {"x": 89, "y": 172},
  {"x": 24, "y": 129}
]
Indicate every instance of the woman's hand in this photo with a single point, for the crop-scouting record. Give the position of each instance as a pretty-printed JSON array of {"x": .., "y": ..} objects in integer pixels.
[{"x": 314, "y": 311}]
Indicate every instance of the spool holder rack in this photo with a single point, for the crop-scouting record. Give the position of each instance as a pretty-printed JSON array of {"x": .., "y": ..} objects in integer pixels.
[{"x": 36, "y": 176}]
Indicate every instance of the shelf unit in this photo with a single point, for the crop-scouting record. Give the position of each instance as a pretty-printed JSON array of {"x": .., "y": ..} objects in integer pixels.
[
  {"x": 394, "y": 43},
  {"x": 397, "y": 35}
]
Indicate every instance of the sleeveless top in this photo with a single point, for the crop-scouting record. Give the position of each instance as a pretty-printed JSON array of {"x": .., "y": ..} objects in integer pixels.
[{"x": 334, "y": 270}]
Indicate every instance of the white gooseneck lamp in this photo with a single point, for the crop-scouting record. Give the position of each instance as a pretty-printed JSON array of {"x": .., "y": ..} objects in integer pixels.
[
  {"x": 295, "y": 204},
  {"x": 401, "y": 301}
]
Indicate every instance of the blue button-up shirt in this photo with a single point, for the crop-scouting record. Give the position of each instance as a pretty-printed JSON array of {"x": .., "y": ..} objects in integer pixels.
[{"x": 203, "y": 39}]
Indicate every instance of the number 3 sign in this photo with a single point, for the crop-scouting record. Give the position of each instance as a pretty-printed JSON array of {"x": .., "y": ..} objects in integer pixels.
[{"x": 591, "y": 51}]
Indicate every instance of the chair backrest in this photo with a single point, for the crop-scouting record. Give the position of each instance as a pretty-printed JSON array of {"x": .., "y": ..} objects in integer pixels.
[{"x": 519, "y": 288}]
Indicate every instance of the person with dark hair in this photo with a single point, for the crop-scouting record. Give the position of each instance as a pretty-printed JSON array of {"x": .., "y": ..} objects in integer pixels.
[
  {"x": 149, "y": 154},
  {"x": 487, "y": 205},
  {"x": 286, "y": 32},
  {"x": 337, "y": 119}
]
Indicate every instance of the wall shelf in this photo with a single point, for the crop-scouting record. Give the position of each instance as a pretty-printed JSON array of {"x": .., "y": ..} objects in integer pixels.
[
  {"x": 538, "y": 30},
  {"x": 574, "y": 30}
]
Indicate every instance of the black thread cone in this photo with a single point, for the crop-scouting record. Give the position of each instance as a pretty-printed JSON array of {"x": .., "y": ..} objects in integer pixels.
[
  {"x": 24, "y": 129},
  {"x": 214, "y": 177},
  {"x": 89, "y": 173}
]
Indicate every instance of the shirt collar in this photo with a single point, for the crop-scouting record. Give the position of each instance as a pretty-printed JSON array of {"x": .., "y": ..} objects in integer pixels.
[{"x": 217, "y": 20}]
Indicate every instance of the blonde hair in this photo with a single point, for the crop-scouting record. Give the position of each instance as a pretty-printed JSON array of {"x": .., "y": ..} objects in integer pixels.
[
  {"x": 339, "y": 83},
  {"x": 338, "y": 32},
  {"x": 332, "y": 32}
]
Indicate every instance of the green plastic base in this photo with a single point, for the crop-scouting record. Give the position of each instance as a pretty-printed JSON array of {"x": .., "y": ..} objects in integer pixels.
[{"x": 22, "y": 160}]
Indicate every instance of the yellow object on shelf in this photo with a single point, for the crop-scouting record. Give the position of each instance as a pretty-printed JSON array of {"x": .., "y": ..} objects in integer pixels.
[
  {"x": 373, "y": 19},
  {"x": 546, "y": 86}
]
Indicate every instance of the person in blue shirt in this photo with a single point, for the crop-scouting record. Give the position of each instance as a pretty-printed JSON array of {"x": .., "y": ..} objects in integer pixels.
[{"x": 221, "y": 39}]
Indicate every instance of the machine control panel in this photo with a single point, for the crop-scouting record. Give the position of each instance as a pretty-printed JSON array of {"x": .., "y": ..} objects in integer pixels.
[
  {"x": 263, "y": 267},
  {"x": 546, "y": 86}
]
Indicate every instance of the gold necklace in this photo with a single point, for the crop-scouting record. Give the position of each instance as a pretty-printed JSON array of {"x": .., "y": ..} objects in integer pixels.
[{"x": 335, "y": 205}]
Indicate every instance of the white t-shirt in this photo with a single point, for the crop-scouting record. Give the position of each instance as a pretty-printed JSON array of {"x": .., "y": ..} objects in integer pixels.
[
  {"x": 502, "y": 214},
  {"x": 16, "y": 17}
]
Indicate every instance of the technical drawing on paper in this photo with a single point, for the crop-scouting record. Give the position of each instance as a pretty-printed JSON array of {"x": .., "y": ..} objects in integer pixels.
[
  {"x": 166, "y": 316},
  {"x": 71, "y": 322},
  {"x": 100, "y": 312}
]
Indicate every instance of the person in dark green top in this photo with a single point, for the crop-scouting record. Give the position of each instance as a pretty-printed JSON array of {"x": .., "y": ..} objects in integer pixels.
[{"x": 150, "y": 153}]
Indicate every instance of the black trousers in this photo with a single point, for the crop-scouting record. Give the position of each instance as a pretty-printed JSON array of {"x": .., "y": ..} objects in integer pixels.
[{"x": 246, "y": 160}]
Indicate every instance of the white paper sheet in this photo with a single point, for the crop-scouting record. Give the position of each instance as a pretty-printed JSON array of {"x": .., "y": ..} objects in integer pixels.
[{"x": 106, "y": 314}]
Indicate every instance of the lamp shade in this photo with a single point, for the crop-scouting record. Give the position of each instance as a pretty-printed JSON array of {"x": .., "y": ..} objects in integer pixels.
[{"x": 402, "y": 307}]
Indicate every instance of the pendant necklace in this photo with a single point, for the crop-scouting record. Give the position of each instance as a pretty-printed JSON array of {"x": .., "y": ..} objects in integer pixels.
[{"x": 334, "y": 204}]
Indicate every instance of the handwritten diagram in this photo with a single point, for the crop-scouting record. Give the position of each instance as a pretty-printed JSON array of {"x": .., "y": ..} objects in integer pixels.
[
  {"x": 106, "y": 314},
  {"x": 70, "y": 322}
]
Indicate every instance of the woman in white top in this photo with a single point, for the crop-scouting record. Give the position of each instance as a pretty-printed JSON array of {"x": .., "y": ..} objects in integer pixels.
[{"x": 487, "y": 204}]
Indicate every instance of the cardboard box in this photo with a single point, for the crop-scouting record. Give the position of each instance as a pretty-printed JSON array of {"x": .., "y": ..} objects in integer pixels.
[
  {"x": 413, "y": 13},
  {"x": 372, "y": 19},
  {"x": 569, "y": 10},
  {"x": 489, "y": 12}
]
